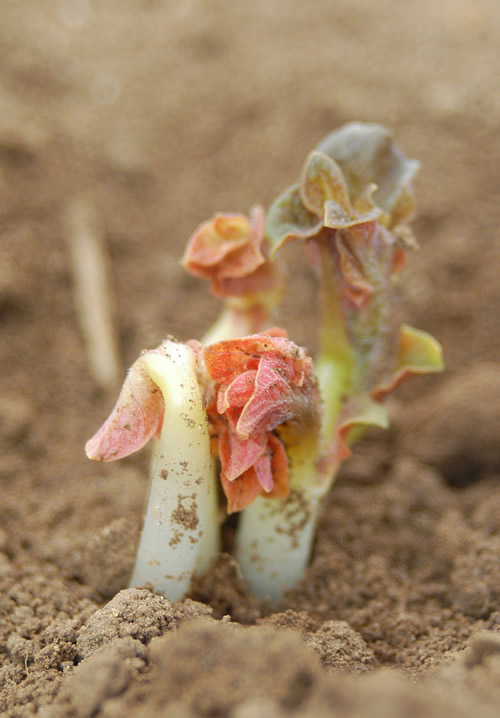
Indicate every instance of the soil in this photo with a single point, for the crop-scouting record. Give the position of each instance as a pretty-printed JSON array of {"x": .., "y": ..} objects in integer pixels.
[{"x": 159, "y": 113}]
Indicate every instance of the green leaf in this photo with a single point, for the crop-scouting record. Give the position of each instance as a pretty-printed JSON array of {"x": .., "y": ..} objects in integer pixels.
[
  {"x": 367, "y": 154},
  {"x": 418, "y": 353},
  {"x": 359, "y": 413},
  {"x": 288, "y": 219},
  {"x": 322, "y": 180}
]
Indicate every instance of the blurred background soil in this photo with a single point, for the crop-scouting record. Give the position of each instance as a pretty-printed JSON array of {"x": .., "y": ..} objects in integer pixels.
[{"x": 156, "y": 114}]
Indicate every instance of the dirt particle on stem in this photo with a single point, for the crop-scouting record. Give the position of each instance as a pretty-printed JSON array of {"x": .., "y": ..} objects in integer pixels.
[
  {"x": 297, "y": 514},
  {"x": 186, "y": 515}
]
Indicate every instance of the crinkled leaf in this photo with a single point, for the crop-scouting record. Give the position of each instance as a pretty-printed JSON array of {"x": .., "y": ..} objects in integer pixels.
[
  {"x": 264, "y": 472},
  {"x": 266, "y": 278},
  {"x": 216, "y": 241},
  {"x": 273, "y": 400},
  {"x": 269, "y": 476},
  {"x": 323, "y": 191},
  {"x": 359, "y": 289},
  {"x": 279, "y": 468},
  {"x": 232, "y": 252},
  {"x": 241, "y": 454},
  {"x": 238, "y": 392},
  {"x": 261, "y": 382},
  {"x": 366, "y": 154},
  {"x": 240, "y": 492},
  {"x": 336, "y": 218},
  {"x": 418, "y": 353},
  {"x": 288, "y": 219},
  {"x": 322, "y": 180},
  {"x": 224, "y": 360}
]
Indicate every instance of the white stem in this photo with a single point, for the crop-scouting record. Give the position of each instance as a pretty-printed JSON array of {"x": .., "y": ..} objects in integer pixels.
[
  {"x": 274, "y": 541},
  {"x": 180, "y": 533},
  {"x": 239, "y": 317},
  {"x": 275, "y": 537},
  {"x": 223, "y": 328},
  {"x": 230, "y": 324}
]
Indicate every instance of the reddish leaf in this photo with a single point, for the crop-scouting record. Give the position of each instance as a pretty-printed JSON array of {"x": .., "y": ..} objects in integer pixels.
[
  {"x": 136, "y": 417},
  {"x": 232, "y": 252},
  {"x": 261, "y": 382}
]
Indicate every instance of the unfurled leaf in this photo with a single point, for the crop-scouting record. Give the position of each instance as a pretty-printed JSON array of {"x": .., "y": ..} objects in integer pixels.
[
  {"x": 136, "y": 417},
  {"x": 418, "y": 353},
  {"x": 359, "y": 413},
  {"x": 289, "y": 219},
  {"x": 321, "y": 181}
]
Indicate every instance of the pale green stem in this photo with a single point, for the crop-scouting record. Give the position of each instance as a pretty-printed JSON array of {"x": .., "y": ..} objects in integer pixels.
[
  {"x": 335, "y": 360},
  {"x": 180, "y": 534},
  {"x": 274, "y": 538},
  {"x": 239, "y": 317},
  {"x": 228, "y": 325},
  {"x": 368, "y": 328}
]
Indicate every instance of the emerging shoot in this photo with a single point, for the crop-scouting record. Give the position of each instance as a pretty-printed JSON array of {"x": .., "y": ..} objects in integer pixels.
[
  {"x": 231, "y": 251},
  {"x": 247, "y": 409},
  {"x": 161, "y": 398}
]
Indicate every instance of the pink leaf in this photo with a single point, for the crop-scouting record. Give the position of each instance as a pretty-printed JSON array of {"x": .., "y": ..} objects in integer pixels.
[
  {"x": 261, "y": 382},
  {"x": 136, "y": 417}
]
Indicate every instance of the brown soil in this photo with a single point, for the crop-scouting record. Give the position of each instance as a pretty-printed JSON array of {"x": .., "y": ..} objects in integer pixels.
[{"x": 159, "y": 113}]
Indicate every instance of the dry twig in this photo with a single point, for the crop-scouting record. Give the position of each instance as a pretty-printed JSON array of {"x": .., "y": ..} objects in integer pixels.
[{"x": 92, "y": 288}]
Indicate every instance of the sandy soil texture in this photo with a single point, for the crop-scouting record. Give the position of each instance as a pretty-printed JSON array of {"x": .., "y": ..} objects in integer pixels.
[{"x": 153, "y": 114}]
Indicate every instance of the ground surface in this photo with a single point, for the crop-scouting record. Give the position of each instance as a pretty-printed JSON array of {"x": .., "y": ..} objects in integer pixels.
[{"x": 158, "y": 113}]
